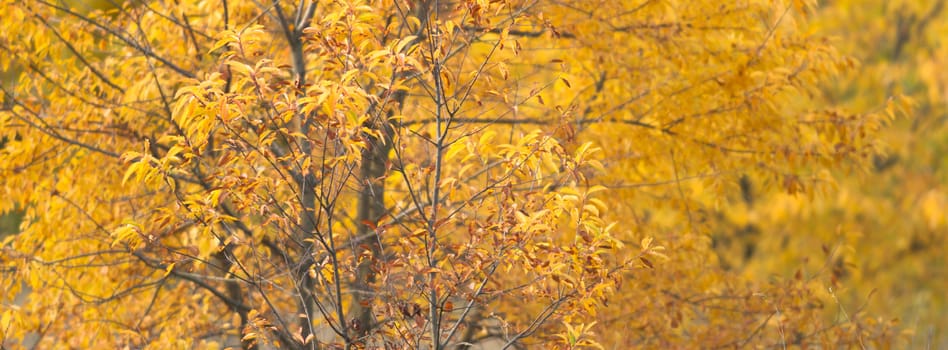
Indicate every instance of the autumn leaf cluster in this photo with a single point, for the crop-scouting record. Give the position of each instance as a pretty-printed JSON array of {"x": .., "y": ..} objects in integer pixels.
[{"x": 442, "y": 174}]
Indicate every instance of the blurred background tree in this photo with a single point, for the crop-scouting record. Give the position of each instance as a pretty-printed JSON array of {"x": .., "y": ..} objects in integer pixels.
[{"x": 885, "y": 229}]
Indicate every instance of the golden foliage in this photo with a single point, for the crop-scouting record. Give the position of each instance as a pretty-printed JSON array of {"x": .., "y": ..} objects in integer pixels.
[{"x": 407, "y": 174}]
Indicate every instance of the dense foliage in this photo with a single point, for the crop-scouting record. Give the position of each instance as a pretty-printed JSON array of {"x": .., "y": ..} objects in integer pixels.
[{"x": 472, "y": 173}]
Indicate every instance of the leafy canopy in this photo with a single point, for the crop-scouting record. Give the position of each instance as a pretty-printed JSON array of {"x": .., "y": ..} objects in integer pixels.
[{"x": 402, "y": 174}]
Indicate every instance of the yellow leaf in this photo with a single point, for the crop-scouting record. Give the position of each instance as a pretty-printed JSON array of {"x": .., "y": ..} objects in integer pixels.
[{"x": 168, "y": 269}]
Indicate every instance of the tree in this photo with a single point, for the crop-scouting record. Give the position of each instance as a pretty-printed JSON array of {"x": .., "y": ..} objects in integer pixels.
[
  {"x": 884, "y": 226},
  {"x": 409, "y": 174}
]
